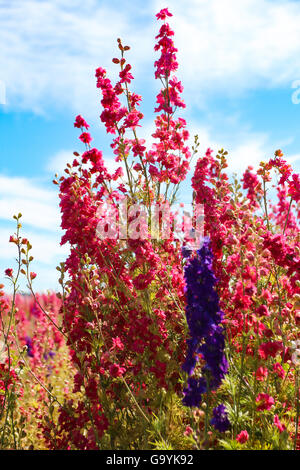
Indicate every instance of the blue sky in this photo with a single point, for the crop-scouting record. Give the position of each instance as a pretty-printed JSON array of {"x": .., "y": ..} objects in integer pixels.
[{"x": 239, "y": 61}]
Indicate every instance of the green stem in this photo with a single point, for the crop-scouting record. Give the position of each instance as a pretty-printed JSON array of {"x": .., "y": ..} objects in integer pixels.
[{"x": 297, "y": 409}]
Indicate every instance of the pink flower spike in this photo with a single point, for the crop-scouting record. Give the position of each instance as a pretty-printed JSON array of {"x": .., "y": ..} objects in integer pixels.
[{"x": 163, "y": 14}]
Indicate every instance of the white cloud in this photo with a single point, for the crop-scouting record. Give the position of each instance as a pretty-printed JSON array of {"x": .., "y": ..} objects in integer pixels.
[
  {"x": 250, "y": 148},
  {"x": 40, "y": 225},
  {"x": 36, "y": 214},
  {"x": 233, "y": 46},
  {"x": 292, "y": 159},
  {"x": 24, "y": 188},
  {"x": 38, "y": 206},
  {"x": 49, "y": 49},
  {"x": 248, "y": 153},
  {"x": 45, "y": 247},
  {"x": 59, "y": 161},
  {"x": 245, "y": 147},
  {"x": 111, "y": 164}
]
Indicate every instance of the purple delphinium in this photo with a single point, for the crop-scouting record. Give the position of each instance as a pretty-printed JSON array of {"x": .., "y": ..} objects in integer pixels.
[
  {"x": 193, "y": 392},
  {"x": 49, "y": 354},
  {"x": 204, "y": 319},
  {"x": 29, "y": 345},
  {"x": 220, "y": 419}
]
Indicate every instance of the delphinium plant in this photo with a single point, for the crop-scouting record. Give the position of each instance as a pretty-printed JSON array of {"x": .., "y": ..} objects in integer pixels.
[{"x": 158, "y": 341}]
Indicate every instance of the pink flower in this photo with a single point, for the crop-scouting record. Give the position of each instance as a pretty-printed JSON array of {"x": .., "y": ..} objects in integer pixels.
[
  {"x": 116, "y": 371},
  {"x": 125, "y": 74},
  {"x": 264, "y": 401},
  {"x": 294, "y": 187},
  {"x": 117, "y": 343},
  {"x": 9, "y": 272},
  {"x": 132, "y": 119},
  {"x": 117, "y": 174},
  {"x": 32, "y": 276},
  {"x": 278, "y": 424},
  {"x": 269, "y": 349},
  {"x": 137, "y": 167},
  {"x": 162, "y": 15},
  {"x": 242, "y": 437},
  {"x": 263, "y": 311},
  {"x": 80, "y": 122},
  {"x": 100, "y": 72},
  {"x": 279, "y": 370},
  {"x": 139, "y": 148},
  {"x": 261, "y": 373},
  {"x": 188, "y": 431},
  {"x": 85, "y": 137}
]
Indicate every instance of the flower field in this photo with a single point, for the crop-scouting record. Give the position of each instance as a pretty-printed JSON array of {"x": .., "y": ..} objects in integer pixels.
[{"x": 169, "y": 331}]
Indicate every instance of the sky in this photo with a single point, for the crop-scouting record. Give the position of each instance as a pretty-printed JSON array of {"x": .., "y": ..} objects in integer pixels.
[{"x": 239, "y": 62}]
